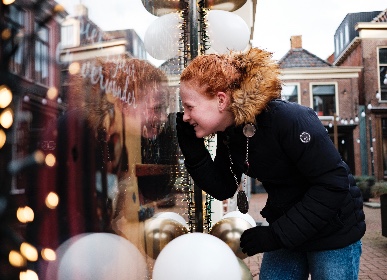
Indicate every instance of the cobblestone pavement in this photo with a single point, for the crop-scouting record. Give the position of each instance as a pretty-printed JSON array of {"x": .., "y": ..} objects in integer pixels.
[{"x": 373, "y": 263}]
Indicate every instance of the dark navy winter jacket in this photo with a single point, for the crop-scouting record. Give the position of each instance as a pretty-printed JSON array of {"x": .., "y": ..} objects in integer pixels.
[{"x": 313, "y": 201}]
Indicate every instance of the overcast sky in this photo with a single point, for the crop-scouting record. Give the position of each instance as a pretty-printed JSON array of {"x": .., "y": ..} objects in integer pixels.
[{"x": 276, "y": 20}]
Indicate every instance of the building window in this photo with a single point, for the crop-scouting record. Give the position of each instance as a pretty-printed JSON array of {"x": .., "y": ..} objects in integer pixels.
[
  {"x": 290, "y": 92},
  {"x": 70, "y": 33},
  {"x": 324, "y": 102},
  {"x": 41, "y": 55},
  {"x": 383, "y": 73},
  {"x": 16, "y": 18},
  {"x": 384, "y": 145},
  {"x": 346, "y": 34}
]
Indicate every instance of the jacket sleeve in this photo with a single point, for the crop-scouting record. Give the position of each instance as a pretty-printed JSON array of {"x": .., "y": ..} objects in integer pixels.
[
  {"x": 214, "y": 176},
  {"x": 306, "y": 142}
]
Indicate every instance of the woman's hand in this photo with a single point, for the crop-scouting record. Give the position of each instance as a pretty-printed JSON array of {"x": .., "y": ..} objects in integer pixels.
[{"x": 259, "y": 239}]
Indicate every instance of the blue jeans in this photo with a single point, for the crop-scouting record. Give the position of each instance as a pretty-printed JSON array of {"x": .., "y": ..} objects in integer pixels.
[{"x": 340, "y": 264}]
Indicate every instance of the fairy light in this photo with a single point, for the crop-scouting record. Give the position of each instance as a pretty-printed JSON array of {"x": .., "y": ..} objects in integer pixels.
[
  {"x": 74, "y": 68},
  {"x": 28, "y": 275},
  {"x": 5, "y": 96},
  {"x": 16, "y": 259},
  {"x": 48, "y": 254},
  {"x": 8, "y": 2},
  {"x": 50, "y": 160},
  {"x": 3, "y": 138},
  {"x": 6, "y": 118},
  {"x": 52, "y": 200},
  {"x": 29, "y": 252},
  {"x": 52, "y": 93},
  {"x": 25, "y": 214}
]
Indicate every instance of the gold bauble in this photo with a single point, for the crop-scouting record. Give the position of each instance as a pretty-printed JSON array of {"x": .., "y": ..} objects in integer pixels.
[
  {"x": 230, "y": 230},
  {"x": 163, "y": 7},
  {"x": 159, "y": 232}
]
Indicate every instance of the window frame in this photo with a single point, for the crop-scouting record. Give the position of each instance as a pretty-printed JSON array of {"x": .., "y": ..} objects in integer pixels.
[
  {"x": 21, "y": 26},
  {"x": 298, "y": 85},
  {"x": 43, "y": 60},
  {"x": 380, "y": 79},
  {"x": 336, "y": 98}
]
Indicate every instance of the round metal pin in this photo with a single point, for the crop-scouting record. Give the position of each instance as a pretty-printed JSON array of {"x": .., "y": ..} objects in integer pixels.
[{"x": 249, "y": 130}]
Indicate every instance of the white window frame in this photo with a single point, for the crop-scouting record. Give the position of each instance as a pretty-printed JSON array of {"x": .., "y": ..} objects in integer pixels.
[{"x": 336, "y": 97}]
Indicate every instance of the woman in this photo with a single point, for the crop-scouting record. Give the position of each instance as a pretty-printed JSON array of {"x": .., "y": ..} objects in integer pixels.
[{"x": 314, "y": 208}]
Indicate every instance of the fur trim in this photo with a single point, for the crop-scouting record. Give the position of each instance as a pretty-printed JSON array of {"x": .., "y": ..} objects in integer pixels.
[{"x": 260, "y": 84}]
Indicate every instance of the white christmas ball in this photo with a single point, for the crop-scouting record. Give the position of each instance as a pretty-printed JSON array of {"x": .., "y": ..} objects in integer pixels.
[
  {"x": 196, "y": 256},
  {"x": 101, "y": 256},
  {"x": 238, "y": 214},
  {"x": 161, "y": 39},
  {"x": 227, "y": 31}
]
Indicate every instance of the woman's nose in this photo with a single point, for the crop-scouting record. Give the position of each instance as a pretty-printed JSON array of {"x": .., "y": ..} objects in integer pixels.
[{"x": 185, "y": 117}]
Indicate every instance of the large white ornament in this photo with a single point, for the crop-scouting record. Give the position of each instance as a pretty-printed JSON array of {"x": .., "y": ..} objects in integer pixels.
[
  {"x": 196, "y": 256},
  {"x": 98, "y": 256},
  {"x": 162, "y": 37},
  {"x": 227, "y": 31}
]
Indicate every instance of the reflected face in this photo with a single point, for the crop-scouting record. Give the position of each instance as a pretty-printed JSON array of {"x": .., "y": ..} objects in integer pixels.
[
  {"x": 153, "y": 112},
  {"x": 205, "y": 114}
]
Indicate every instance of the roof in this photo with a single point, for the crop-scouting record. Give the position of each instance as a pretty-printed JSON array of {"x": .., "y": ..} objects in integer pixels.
[
  {"x": 299, "y": 57},
  {"x": 382, "y": 17}
]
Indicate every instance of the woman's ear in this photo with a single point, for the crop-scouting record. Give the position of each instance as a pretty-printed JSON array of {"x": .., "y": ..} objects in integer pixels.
[{"x": 223, "y": 100}]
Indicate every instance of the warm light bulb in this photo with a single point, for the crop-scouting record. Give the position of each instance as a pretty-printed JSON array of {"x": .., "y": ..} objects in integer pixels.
[
  {"x": 52, "y": 93},
  {"x": 74, "y": 68},
  {"x": 52, "y": 200},
  {"x": 6, "y": 118},
  {"x": 25, "y": 214},
  {"x": 3, "y": 138},
  {"x": 50, "y": 160},
  {"x": 28, "y": 275},
  {"x": 5, "y": 96},
  {"x": 8, "y": 2},
  {"x": 29, "y": 252},
  {"x": 16, "y": 259},
  {"x": 48, "y": 254}
]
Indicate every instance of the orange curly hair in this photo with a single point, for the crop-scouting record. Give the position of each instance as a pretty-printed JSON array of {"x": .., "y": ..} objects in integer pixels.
[{"x": 250, "y": 78}]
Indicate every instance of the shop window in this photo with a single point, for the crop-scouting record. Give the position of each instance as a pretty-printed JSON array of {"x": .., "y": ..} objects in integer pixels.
[
  {"x": 383, "y": 73},
  {"x": 290, "y": 92},
  {"x": 324, "y": 99}
]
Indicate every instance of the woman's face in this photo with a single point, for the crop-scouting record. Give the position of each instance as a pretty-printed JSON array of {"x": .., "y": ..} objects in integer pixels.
[{"x": 206, "y": 114}]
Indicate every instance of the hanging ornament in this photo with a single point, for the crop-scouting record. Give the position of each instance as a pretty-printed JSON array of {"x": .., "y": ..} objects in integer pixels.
[
  {"x": 162, "y": 37},
  {"x": 227, "y": 31}
]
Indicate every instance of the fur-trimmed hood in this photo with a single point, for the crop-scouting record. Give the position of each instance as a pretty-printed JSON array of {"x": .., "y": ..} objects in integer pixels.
[{"x": 259, "y": 84}]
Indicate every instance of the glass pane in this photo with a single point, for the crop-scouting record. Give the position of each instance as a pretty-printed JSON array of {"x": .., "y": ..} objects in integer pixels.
[
  {"x": 383, "y": 82},
  {"x": 290, "y": 93},
  {"x": 324, "y": 105},
  {"x": 323, "y": 89},
  {"x": 383, "y": 55},
  {"x": 384, "y": 145}
]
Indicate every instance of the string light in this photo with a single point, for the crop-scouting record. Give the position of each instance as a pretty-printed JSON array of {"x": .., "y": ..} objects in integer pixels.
[
  {"x": 16, "y": 259},
  {"x": 28, "y": 275},
  {"x": 52, "y": 200},
  {"x": 29, "y": 252},
  {"x": 48, "y": 254},
  {"x": 25, "y": 214}
]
